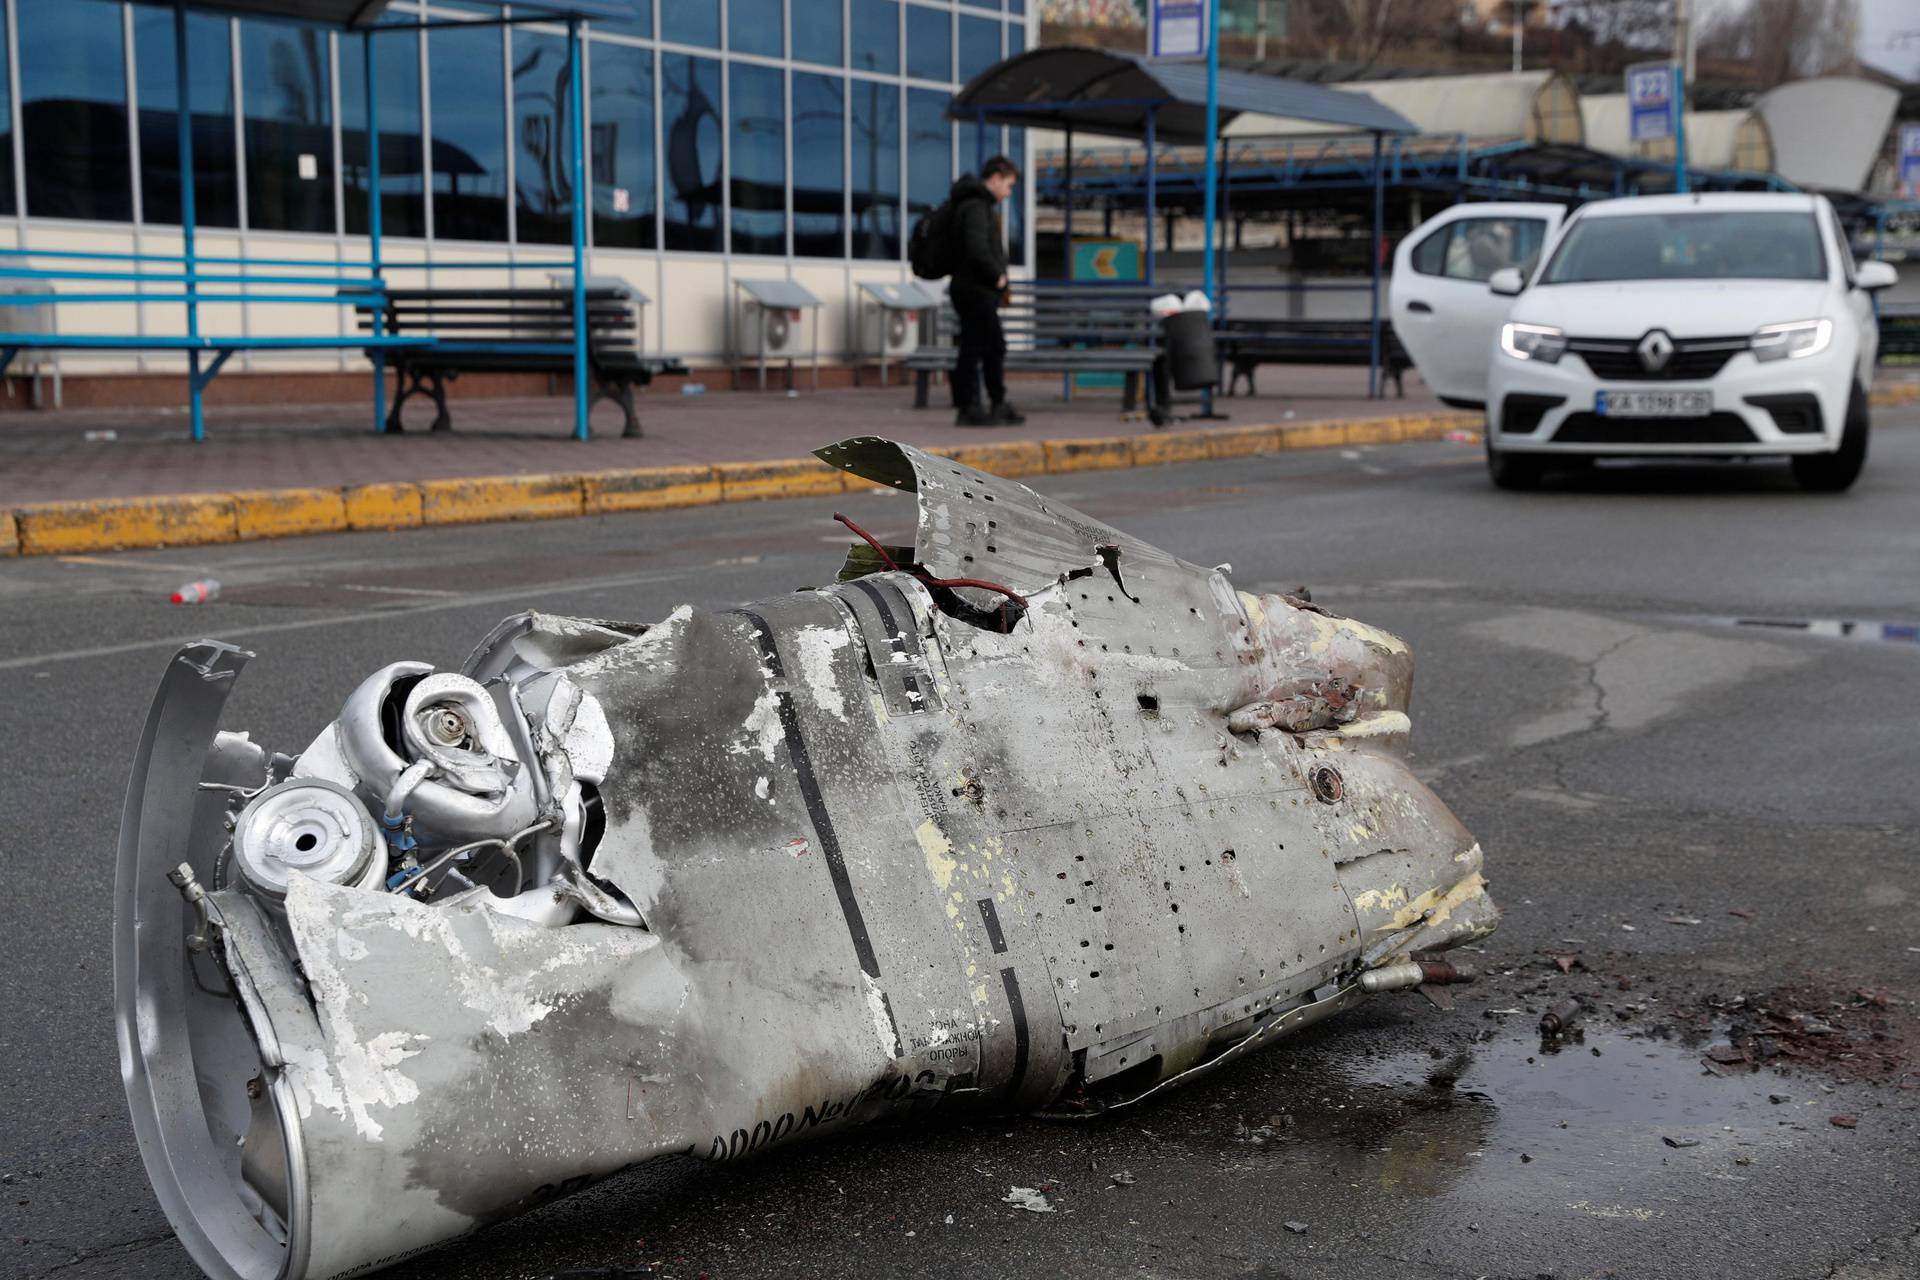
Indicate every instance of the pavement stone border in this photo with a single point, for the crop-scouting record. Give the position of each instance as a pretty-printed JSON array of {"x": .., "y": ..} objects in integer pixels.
[{"x": 198, "y": 519}]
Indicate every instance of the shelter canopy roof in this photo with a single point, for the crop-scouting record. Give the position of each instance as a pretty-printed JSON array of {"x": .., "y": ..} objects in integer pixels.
[{"x": 354, "y": 13}]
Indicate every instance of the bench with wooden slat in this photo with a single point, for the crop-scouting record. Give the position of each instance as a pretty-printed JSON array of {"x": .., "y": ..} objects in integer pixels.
[
  {"x": 509, "y": 330},
  {"x": 1245, "y": 345},
  {"x": 1060, "y": 329}
]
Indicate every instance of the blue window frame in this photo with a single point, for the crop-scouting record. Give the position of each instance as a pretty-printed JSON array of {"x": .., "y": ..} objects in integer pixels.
[
  {"x": 979, "y": 45},
  {"x": 542, "y": 120},
  {"x": 756, "y": 26},
  {"x": 690, "y": 132},
  {"x": 875, "y": 28},
  {"x": 819, "y": 165},
  {"x": 691, "y": 22},
  {"x": 875, "y": 138},
  {"x": 216, "y": 168},
  {"x": 287, "y": 79},
  {"x": 73, "y": 110},
  {"x": 757, "y": 157},
  {"x": 403, "y": 161},
  {"x": 621, "y": 112},
  {"x": 929, "y": 43},
  {"x": 469, "y": 134},
  {"x": 929, "y": 151},
  {"x": 816, "y": 32}
]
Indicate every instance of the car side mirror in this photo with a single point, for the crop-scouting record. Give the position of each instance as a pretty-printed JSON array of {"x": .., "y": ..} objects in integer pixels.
[
  {"x": 1873, "y": 275},
  {"x": 1507, "y": 282}
]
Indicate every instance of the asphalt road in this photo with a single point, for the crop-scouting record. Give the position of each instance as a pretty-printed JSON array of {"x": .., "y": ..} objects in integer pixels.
[{"x": 1628, "y": 757}]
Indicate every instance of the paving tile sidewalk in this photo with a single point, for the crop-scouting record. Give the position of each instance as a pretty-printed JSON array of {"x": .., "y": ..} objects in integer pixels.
[{"x": 49, "y": 457}]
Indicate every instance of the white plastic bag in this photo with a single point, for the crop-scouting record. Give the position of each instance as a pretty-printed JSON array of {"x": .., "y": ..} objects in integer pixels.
[
  {"x": 1165, "y": 305},
  {"x": 1196, "y": 301}
]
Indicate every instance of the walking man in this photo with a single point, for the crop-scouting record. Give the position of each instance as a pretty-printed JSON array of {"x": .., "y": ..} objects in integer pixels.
[{"x": 979, "y": 258}]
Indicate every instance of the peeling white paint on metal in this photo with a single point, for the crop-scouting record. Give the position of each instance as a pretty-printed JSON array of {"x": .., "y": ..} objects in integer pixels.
[
  {"x": 816, "y": 647},
  {"x": 882, "y": 1022},
  {"x": 762, "y": 728}
]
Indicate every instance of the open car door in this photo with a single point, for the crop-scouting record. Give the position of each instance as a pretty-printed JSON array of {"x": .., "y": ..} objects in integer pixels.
[{"x": 1443, "y": 311}]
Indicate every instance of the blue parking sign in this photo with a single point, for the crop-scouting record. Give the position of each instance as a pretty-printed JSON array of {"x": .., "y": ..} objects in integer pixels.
[
  {"x": 1650, "y": 101},
  {"x": 1179, "y": 28},
  {"x": 1910, "y": 160}
]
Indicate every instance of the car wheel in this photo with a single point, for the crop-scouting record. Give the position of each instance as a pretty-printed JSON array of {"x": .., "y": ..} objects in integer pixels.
[
  {"x": 1513, "y": 470},
  {"x": 1835, "y": 472}
]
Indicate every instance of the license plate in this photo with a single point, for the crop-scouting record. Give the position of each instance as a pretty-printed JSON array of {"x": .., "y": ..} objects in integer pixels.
[{"x": 1653, "y": 404}]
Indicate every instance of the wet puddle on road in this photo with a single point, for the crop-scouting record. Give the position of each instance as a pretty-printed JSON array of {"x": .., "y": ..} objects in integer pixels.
[{"x": 1506, "y": 1115}]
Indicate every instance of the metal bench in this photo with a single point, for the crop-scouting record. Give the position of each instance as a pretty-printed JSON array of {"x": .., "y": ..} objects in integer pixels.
[
  {"x": 513, "y": 331},
  {"x": 1245, "y": 345},
  {"x": 1060, "y": 329},
  {"x": 1899, "y": 332}
]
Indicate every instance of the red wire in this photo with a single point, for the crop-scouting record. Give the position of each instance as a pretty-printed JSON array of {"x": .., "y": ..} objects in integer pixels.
[{"x": 921, "y": 573}]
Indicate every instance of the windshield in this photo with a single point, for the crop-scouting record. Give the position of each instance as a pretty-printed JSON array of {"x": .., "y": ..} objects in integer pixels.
[{"x": 1694, "y": 245}]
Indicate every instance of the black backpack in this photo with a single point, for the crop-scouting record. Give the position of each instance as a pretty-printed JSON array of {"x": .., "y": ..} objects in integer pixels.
[{"x": 930, "y": 245}]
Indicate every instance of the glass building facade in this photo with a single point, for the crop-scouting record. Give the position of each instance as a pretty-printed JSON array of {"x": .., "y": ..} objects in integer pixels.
[{"x": 810, "y": 129}]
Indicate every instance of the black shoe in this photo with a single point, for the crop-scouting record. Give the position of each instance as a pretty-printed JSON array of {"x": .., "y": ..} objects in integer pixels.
[
  {"x": 1005, "y": 413},
  {"x": 974, "y": 416}
]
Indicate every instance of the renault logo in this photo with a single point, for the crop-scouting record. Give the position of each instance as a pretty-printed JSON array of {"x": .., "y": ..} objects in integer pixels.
[{"x": 1655, "y": 350}]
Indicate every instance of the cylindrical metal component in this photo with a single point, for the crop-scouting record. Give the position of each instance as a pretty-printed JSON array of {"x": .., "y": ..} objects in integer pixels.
[
  {"x": 1560, "y": 1018},
  {"x": 1392, "y": 977},
  {"x": 307, "y": 826},
  {"x": 1445, "y": 972}
]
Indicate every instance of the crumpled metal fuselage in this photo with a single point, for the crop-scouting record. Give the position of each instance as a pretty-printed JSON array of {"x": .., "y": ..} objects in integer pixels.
[{"x": 878, "y": 847}]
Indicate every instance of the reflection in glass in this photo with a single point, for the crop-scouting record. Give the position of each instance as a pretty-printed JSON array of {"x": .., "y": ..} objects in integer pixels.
[
  {"x": 542, "y": 120},
  {"x": 288, "y": 86},
  {"x": 403, "y": 168},
  {"x": 757, "y": 160},
  {"x": 756, "y": 26},
  {"x": 216, "y": 168},
  {"x": 690, "y": 118},
  {"x": 875, "y": 26},
  {"x": 929, "y": 151},
  {"x": 691, "y": 22},
  {"x": 469, "y": 134},
  {"x": 819, "y": 169},
  {"x": 73, "y": 110},
  {"x": 929, "y": 43},
  {"x": 979, "y": 45},
  {"x": 876, "y": 169},
  {"x": 621, "y": 78},
  {"x": 816, "y": 32},
  {"x": 1016, "y": 204}
]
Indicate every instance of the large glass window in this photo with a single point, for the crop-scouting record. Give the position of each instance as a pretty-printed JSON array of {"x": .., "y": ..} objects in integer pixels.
[
  {"x": 6, "y": 129},
  {"x": 819, "y": 169},
  {"x": 621, "y": 77},
  {"x": 403, "y": 163},
  {"x": 979, "y": 45},
  {"x": 816, "y": 32},
  {"x": 757, "y": 160},
  {"x": 876, "y": 169},
  {"x": 1016, "y": 204},
  {"x": 690, "y": 133},
  {"x": 875, "y": 29},
  {"x": 929, "y": 151},
  {"x": 756, "y": 26},
  {"x": 691, "y": 22},
  {"x": 929, "y": 43},
  {"x": 469, "y": 134},
  {"x": 1016, "y": 38},
  {"x": 73, "y": 110},
  {"x": 216, "y": 171},
  {"x": 542, "y": 150},
  {"x": 288, "y": 83},
  {"x": 1741, "y": 244}
]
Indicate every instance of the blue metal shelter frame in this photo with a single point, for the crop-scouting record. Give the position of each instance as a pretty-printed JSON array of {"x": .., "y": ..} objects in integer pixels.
[
  {"x": 1123, "y": 95},
  {"x": 292, "y": 280}
]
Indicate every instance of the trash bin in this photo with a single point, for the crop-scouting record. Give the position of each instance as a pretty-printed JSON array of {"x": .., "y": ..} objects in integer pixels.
[{"x": 1193, "y": 363}]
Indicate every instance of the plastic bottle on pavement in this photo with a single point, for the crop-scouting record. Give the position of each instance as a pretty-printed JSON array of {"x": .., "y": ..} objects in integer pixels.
[{"x": 198, "y": 592}]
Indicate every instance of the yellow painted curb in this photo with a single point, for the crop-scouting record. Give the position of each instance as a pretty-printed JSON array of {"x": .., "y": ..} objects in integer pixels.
[
  {"x": 1313, "y": 435},
  {"x": 499, "y": 498},
  {"x": 9, "y": 534},
  {"x": 280, "y": 513},
  {"x": 1375, "y": 431},
  {"x": 1107, "y": 453},
  {"x": 780, "y": 478},
  {"x": 1242, "y": 442},
  {"x": 650, "y": 489},
  {"x": 108, "y": 524},
  {"x": 383, "y": 506},
  {"x": 1160, "y": 449},
  {"x": 1011, "y": 459},
  {"x": 1895, "y": 394}
]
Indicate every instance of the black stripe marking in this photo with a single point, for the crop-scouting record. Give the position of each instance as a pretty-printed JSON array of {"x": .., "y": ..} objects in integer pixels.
[
  {"x": 899, "y": 1050},
  {"x": 816, "y": 806},
  {"x": 1019, "y": 1011},
  {"x": 906, "y": 637},
  {"x": 992, "y": 918}
]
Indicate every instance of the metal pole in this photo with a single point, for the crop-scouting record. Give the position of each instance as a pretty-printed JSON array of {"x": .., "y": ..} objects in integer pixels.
[
  {"x": 1068, "y": 234},
  {"x": 1519, "y": 17},
  {"x": 1152, "y": 213},
  {"x": 1679, "y": 128},
  {"x": 1210, "y": 199},
  {"x": 577, "y": 162},
  {"x": 369, "y": 63},
  {"x": 1373, "y": 251},
  {"x": 184, "y": 97}
]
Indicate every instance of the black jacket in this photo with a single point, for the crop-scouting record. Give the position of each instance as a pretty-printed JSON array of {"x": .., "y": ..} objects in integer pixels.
[{"x": 979, "y": 250}]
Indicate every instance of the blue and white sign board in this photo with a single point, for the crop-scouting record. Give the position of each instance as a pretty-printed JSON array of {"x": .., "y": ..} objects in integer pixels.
[
  {"x": 1179, "y": 29},
  {"x": 1650, "y": 101},
  {"x": 1910, "y": 160}
]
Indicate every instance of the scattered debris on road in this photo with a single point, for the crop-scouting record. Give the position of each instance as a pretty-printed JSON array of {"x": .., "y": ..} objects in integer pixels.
[{"x": 1031, "y": 1199}]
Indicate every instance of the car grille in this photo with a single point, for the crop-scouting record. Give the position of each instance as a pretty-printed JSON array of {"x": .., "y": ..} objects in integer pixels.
[
  {"x": 1715, "y": 428},
  {"x": 1520, "y": 413},
  {"x": 1796, "y": 415},
  {"x": 1693, "y": 359}
]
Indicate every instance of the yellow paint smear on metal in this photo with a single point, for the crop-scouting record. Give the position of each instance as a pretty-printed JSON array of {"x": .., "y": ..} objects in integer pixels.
[
  {"x": 938, "y": 851},
  {"x": 1435, "y": 905},
  {"x": 1381, "y": 899}
]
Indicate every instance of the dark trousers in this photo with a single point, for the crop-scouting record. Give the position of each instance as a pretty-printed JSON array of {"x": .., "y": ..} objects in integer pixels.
[{"x": 983, "y": 346}]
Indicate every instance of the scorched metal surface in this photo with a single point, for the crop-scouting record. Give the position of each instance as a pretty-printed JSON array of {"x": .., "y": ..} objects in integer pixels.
[{"x": 1027, "y": 814}]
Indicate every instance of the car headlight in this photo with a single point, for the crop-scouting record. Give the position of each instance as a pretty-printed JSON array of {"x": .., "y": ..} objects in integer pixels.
[
  {"x": 1533, "y": 341},
  {"x": 1793, "y": 340}
]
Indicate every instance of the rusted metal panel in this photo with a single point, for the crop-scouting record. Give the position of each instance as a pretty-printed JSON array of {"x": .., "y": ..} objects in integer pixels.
[{"x": 1026, "y": 814}]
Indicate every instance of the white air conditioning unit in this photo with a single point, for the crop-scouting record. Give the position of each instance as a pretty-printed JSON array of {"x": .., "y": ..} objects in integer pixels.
[
  {"x": 890, "y": 318},
  {"x": 774, "y": 330}
]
